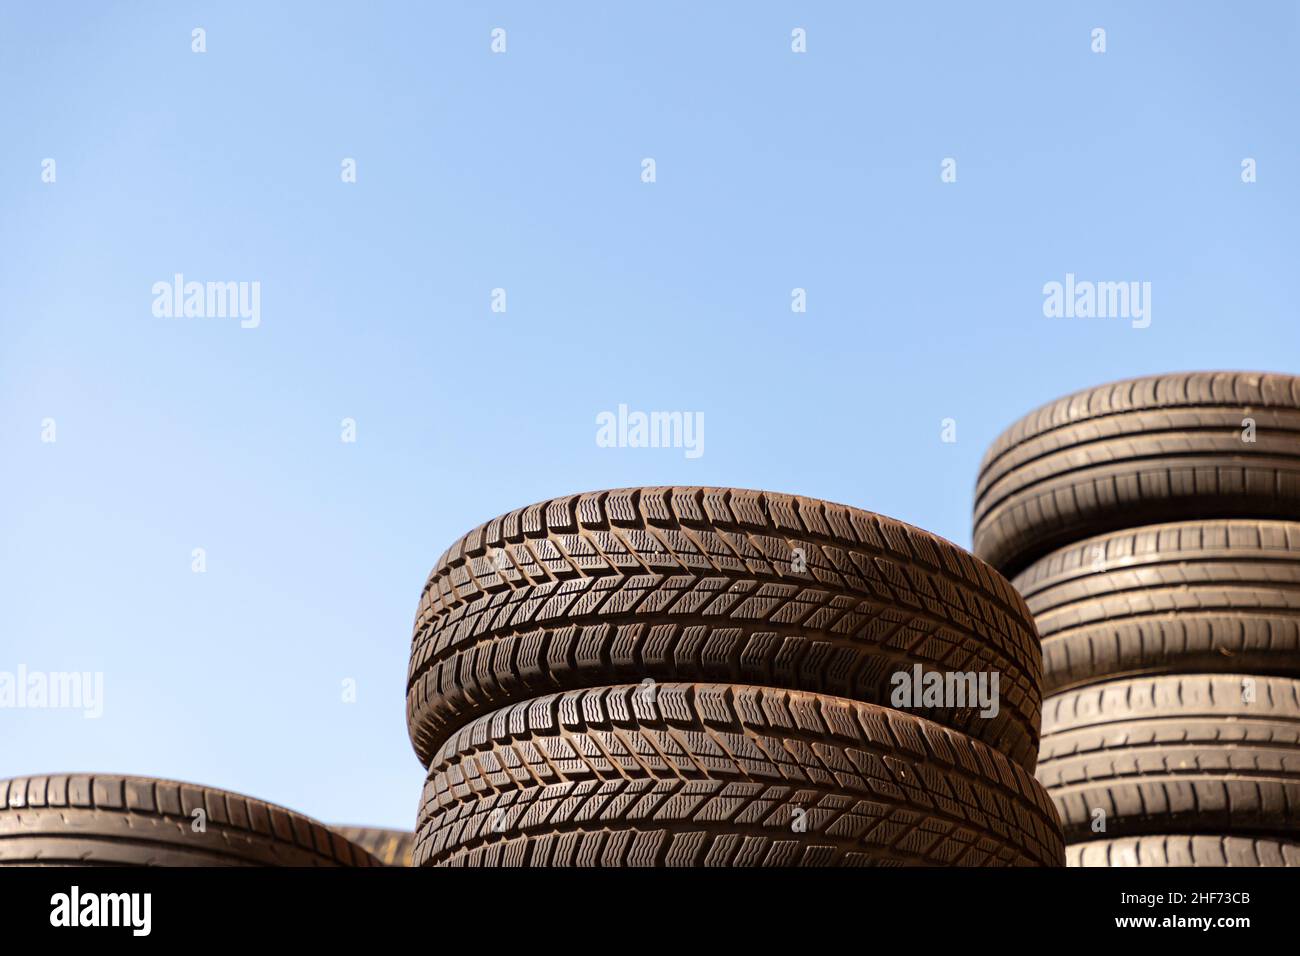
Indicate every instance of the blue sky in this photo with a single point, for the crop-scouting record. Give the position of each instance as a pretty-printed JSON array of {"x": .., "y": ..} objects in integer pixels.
[{"x": 522, "y": 171}]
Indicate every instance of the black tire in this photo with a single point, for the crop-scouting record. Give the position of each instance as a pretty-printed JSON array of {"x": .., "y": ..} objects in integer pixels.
[
  {"x": 715, "y": 775},
  {"x": 1184, "y": 850},
  {"x": 1194, "y": 597},
  {"x": 389, "y": 847},
  {"x": 1139, "y": 452},
  {"x": 681, "y": 584},
  {"x": 106, "y": 819},
  {"x": 1184, "y": 754}
]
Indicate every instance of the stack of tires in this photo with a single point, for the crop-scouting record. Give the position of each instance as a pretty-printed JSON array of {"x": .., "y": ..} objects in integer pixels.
[
  {"x": 388, "y": 847},
  {"x": 1153, "y": 527},
  {"x": 702, "y": 677}
]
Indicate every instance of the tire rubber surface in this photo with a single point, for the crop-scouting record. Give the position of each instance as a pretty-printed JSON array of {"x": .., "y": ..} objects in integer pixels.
[
  {"x": 105, "y": 819},
  {"x": 389, "y": 847},
  {"x": 713, "y": 584},
  {"x": 724, "y": 775},
  {"x": 1185, "y": 851},
  {"x": 1139, "y": 452},
  {"x": 1175, "y": 754},
  {"x": 1192, "y": 597}
]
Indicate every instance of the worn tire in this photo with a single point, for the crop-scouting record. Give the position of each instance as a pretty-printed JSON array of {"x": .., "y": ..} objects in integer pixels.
[
  {"x": 1139, "y": 452},
  {"x": 681, "y": 584},
  {"x": 1193, "y": 597},
  {"x": 712, "y": 775},
  {"x": 105, "y": 819},
  {"x": 1175, "y": 754},
  {"x": 389, "y": 847},
  {"x": 1184, "y": 850}
]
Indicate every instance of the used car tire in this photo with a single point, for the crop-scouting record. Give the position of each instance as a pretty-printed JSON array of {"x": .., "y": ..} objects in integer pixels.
[
  {"x": 389, "y": 847},
  {"x": 1185, "y": 850},
  {"x": 1175, "y": 754},
  {"x": 1191, "y": 597},
  {"x": 106, "y": 819},
  {"x": 1139, "y": 452},
  {"x": 713, "y": 584},
  {"x": 724, "y": 775}
]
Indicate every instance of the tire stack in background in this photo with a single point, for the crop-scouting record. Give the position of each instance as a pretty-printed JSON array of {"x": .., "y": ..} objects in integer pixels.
[
  {"x": 702, "y": 677},
  {"x": 98, "y": 819},
  {"x": 388, "y": 847},
  {"x": 1153, "y": 527}
]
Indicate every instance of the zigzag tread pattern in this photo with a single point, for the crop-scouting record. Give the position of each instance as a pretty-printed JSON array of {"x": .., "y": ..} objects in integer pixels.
[
  {"x": 488, "y": 657},
  {"x": 689, "y": 583},
  {"x": 710, "y": 774}
]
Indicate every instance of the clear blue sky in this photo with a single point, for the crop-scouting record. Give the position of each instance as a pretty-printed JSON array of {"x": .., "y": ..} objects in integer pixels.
[{"x": 522, "y": 171}]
